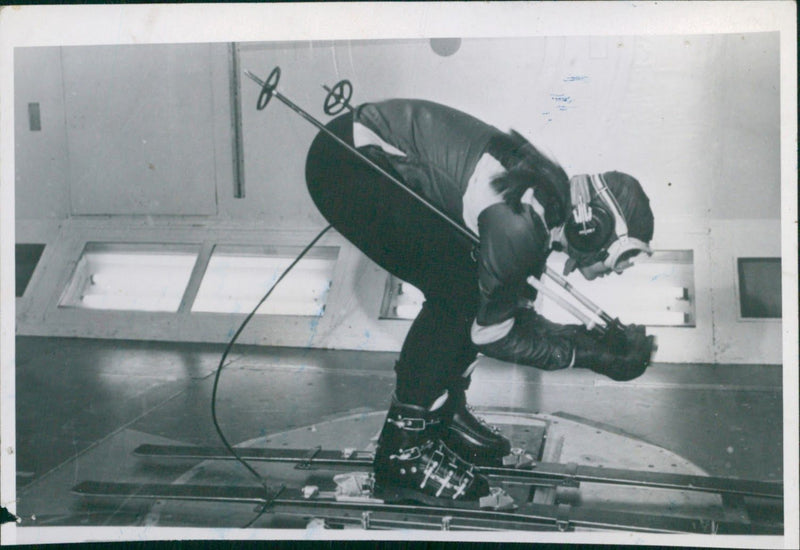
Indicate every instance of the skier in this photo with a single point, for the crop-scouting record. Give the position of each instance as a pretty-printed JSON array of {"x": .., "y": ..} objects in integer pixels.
[{"x": 522, "y": 205}]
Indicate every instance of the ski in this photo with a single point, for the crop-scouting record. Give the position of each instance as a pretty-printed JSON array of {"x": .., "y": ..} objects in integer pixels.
[
  {"x": 527, "y": 472},
  {"x": 376, "y": 513}
]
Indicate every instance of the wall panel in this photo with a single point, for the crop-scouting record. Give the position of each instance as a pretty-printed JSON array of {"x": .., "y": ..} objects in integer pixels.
[
  {"x": 41, "y": 164},
  {"x": 739, "y": 340},
  {"x": 139, "y": 124},
  {"x": 749, "y": 130},
  {"x": 694, "y": 118}
]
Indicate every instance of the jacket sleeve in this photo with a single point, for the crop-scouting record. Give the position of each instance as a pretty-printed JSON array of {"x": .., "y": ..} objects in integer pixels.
[
  {"x": 514, "y": 247},
  {"x": 535, "y": 342}
]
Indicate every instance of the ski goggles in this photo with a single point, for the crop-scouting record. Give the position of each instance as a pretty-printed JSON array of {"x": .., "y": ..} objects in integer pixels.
[{"x": 622, "y": 250}]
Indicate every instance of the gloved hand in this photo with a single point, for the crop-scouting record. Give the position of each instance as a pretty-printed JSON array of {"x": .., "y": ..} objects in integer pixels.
[
  {"x": 599, "y": 357},
  {"x": 622, "y": 339}
]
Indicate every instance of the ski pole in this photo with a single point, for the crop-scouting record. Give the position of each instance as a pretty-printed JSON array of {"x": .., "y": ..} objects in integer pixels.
[
  {"x": 613, "y": 324},
  {"x": 269, "y": 89},
  {"x": 594, "y": 308},
  {"x": 564, "y": 304}
]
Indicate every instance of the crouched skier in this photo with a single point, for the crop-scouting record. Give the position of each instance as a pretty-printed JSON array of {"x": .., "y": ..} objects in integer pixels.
[{"x": 522, "y": 205}]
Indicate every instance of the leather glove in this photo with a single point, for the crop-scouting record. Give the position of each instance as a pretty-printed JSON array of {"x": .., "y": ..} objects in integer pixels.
[
  {"x": 602, "y": 359},
  {"x": 622, "y": 339}
]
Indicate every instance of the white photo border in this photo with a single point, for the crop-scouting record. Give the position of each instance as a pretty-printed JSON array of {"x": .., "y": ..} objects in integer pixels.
[{"x": 184, "y": 23}]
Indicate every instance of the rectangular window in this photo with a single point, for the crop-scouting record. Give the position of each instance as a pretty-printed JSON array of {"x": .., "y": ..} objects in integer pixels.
[
  {"x": 26, "y": 258},
  {"x": 657, "y": 291},
  {"x": 237, "y": 277},
  {"x": 401, "y": 300},
  {"x": 136, "y": 277},
  {"x": 759, "y": 282}
]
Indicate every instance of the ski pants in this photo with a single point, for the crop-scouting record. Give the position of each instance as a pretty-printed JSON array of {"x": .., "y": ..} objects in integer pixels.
[{"x": 406, "y": 239}]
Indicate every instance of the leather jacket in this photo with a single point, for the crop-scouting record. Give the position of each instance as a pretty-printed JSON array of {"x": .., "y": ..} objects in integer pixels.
[{"x": 448, "y": 157}]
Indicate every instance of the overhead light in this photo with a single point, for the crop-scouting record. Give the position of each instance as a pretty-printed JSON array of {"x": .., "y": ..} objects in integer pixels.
[
  {"x": 237, "y": 277},
  {"x": 127, "y": 276}
]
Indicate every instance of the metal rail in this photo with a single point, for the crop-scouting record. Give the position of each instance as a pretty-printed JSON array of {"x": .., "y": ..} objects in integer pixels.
[
  {"x": 371, "y": 513},
  {"x": 552, "y": 473}
]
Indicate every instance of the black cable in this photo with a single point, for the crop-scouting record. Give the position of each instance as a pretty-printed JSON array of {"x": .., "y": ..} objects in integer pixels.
[{"x": 228, "y": 446}]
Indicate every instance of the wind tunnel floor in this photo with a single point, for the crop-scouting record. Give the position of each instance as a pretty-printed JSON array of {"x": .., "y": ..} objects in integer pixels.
[{"x": 83, "y": 405}]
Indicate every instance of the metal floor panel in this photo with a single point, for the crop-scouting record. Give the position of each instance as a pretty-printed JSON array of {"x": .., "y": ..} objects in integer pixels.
[{"x": 74, "y": 396}]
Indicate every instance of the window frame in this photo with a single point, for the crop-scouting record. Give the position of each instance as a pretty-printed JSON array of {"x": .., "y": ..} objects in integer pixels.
[{"x": 737, "y": 296}]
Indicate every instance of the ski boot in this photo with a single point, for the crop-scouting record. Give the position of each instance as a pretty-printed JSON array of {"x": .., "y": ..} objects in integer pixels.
[
  {"x": 472, "y": 437},
  {"x": 413, "y": 463}
]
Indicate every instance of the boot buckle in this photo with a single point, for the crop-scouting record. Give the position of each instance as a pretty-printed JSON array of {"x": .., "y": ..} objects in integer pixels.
[
  {"x": 465, "y": 482},
  {"x": 412, "y": 424},
  {"x": 436, "y": 459},
  {"x": 407, "y": 454},
  {"x": 445, "y": 483}
]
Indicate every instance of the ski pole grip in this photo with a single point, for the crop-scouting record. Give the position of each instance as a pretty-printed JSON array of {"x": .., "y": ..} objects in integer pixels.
[
  {"x": 653, "y": 343},
  {"x": 618, "y": 325}
]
